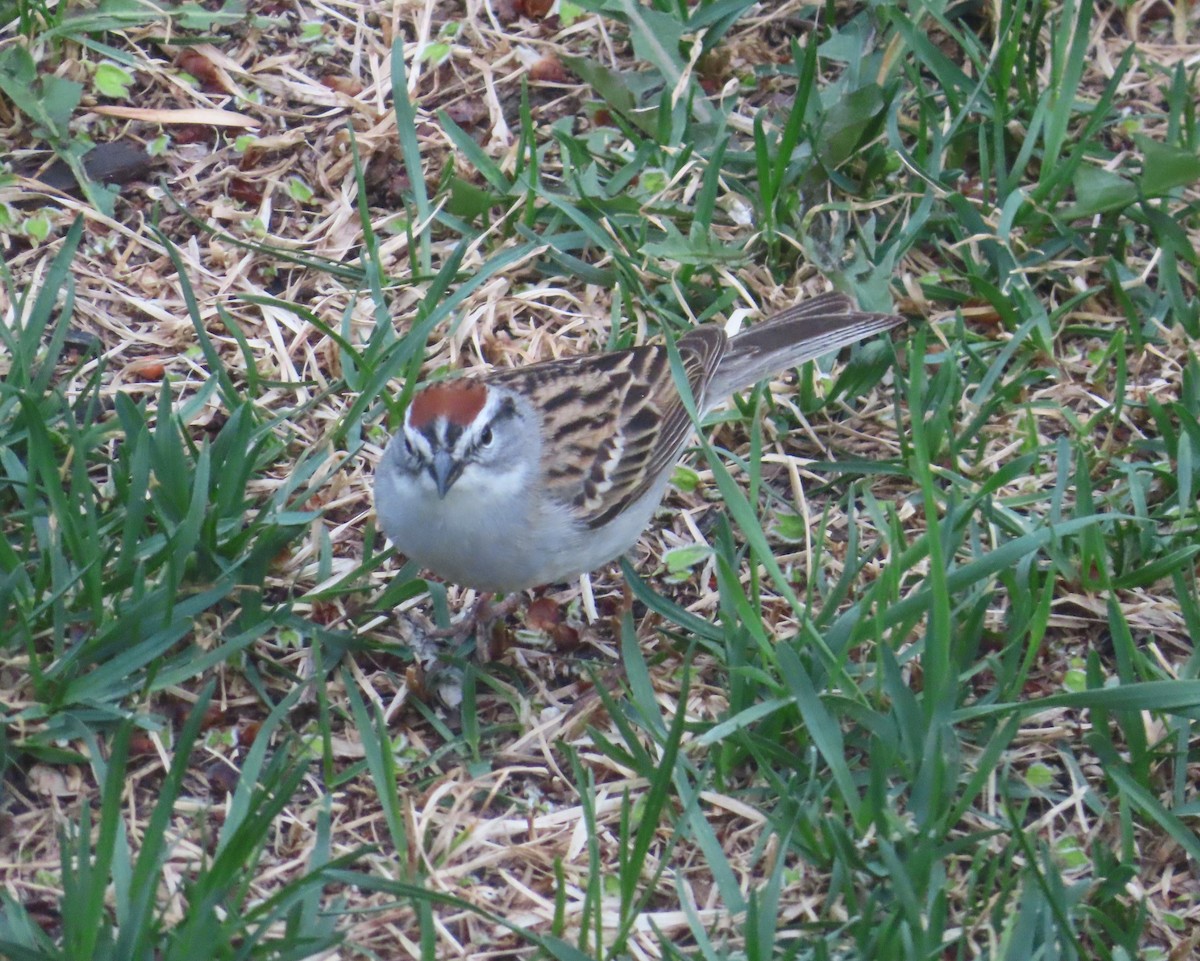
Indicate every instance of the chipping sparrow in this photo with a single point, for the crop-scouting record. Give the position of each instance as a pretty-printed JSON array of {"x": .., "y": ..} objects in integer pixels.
[{"x": 533, "y": 475}]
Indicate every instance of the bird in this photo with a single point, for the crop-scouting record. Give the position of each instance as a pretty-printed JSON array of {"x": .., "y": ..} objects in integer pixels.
[{"x": 536, "y": 474}]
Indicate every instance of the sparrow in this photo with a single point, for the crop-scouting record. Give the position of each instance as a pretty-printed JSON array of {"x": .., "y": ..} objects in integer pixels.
[{"x": 536, "y": 474}]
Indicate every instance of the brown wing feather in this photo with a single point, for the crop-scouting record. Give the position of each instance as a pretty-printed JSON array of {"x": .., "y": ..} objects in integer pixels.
[{"x": 618, "y": 418}]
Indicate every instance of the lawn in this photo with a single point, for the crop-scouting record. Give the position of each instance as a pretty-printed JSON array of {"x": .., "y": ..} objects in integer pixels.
[{"x": 904, "y": 668}]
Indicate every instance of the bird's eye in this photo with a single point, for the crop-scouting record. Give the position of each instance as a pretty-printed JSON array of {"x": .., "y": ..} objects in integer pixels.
[
  {"x": 486, "y": 437},
  {"x": 408, "y": 447}
]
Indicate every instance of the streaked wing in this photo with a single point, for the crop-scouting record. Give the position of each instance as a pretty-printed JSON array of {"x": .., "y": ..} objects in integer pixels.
[{"x": 615, "y": 421}]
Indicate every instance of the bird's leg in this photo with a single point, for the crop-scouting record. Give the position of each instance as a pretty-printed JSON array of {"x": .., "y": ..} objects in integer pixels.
[
  {"x": 489, "y": 646},
  {"x": 479, "y": 620},
  {"x": 489, "y": 613}
]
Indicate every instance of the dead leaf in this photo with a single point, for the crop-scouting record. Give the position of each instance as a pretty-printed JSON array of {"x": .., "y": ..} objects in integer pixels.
[
  {"x": 141, "y": 744},
  {"x": 414, "y": 680},
  {"x": 248, "y": 193},
  {"x": 543, "y": 615},
  {"x": 204, "y": 70},
  {"x": 508, "y": 11},
  {"x": 345, "y": 749},
  {"x": 549, "y": 70},
  {"x": 350, "y": 86},
  {"x": 566, "y": 638},
  {"x": 248, "y": 733},
  {"x": 211, "y": 116},
  {"x": 467, "y": 112},
  {"x": 194, "y": 133},
  {"x": 51, "y": 781},
  {"x": 223, "y": 777},
  {"x": 147, "y": 368}
]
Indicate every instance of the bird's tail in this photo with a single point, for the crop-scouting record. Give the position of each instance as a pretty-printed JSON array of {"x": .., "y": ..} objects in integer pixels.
[{"x": 786, "y": 340}]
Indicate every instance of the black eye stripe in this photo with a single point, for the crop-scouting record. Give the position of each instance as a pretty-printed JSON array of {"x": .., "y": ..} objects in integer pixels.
[{"x": 505, "y": 410}]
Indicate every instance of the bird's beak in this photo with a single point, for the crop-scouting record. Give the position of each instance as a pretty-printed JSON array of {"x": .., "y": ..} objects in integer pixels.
[{"x": 445, "y": 470}]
